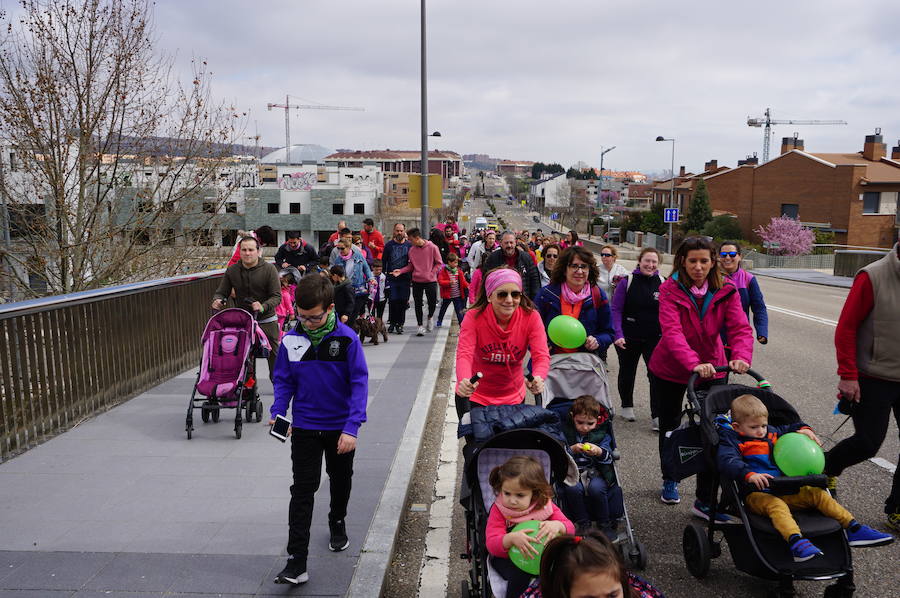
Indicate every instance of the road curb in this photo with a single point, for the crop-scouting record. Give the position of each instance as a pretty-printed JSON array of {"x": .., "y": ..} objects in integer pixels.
[{"x": 378, "y": 547}]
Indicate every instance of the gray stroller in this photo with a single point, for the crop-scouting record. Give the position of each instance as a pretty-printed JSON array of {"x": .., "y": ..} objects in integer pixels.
[{"x": 572, "y": 375}]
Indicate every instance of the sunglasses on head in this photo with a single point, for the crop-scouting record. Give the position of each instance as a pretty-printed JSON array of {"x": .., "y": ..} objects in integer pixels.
[
  {"x": 728, "y": 253},
  {"x": 505, "y": 294}
]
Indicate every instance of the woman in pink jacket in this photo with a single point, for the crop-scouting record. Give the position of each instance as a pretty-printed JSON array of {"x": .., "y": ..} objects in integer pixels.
[
  {"x": 695, "y": 305},
  {"x": 494, "y": 338}
]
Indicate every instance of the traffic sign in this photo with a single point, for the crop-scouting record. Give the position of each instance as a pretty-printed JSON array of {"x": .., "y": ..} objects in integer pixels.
[{"x": 670, "y": 215}]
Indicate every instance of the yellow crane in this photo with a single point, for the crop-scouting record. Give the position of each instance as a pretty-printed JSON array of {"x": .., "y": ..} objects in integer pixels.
[
  {"x": 768, "y": 121},
  {"x": 287, "y": 118}
]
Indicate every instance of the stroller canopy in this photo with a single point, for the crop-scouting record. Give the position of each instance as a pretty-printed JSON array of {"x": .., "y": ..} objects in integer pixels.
[{"x": 574, "y": 374}]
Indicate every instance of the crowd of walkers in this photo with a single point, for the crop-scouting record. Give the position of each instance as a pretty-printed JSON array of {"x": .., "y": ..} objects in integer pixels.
[{"x": 506, "y": 289}]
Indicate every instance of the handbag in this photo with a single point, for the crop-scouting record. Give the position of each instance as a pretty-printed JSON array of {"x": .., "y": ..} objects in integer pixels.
[{"x": 684, "y": 451}]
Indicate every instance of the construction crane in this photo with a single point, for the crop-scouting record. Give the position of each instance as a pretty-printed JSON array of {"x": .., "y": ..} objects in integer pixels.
[
  {"x": 768, "y": 121},
  {"x": 287, "y": 118}
]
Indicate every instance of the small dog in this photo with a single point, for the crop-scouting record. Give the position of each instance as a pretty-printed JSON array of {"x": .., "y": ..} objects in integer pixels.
[{"x": 370, "y": 326}]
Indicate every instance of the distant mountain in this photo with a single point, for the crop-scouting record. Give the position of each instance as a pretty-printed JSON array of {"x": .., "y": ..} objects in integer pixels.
[{"x": 170, "y": 146}]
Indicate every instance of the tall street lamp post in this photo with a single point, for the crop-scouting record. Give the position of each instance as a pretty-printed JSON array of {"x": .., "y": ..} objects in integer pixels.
[{"x": 672, "y": 194}]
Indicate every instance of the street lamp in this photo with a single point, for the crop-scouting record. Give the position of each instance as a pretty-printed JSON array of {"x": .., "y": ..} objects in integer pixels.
[
  {"x": 425, "y": 135},
  {"x": 672, "y": 196}
]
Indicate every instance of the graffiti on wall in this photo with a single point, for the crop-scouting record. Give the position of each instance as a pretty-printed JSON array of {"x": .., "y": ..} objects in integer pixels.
[{"x": 297, "y": 181}]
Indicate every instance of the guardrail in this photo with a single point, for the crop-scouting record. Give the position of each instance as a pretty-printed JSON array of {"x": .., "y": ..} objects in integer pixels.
[{"x": 66, "y": 358}]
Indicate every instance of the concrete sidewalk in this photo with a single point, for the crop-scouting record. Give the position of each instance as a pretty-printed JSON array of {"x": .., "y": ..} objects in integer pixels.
[
  {"x": 125, "y": 505},
  {"x": 803, "y": 275}
]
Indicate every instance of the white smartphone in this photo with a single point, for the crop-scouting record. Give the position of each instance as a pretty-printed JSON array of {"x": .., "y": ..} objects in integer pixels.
[{"x": 280, "y": 428}]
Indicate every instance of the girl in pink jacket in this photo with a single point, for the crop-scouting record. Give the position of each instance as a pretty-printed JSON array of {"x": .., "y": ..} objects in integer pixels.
[
  {"x": 494, "y": 337},
  {"x": 523, "y": 494},
  {"x": 695, "y": 305}
]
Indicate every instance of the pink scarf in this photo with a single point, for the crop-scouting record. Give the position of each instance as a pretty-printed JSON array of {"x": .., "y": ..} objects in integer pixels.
[
  {"x": 529, "y": 514},
  {"x": 700, "y": 292},
  {"x": 571, "y": 297}
]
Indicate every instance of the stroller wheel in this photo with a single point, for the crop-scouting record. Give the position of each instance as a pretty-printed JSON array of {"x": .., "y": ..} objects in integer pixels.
[
  {"x": 258, "y": 408},
  {"x": 695, "y": 546},
  {"x": 464, "y": 591},
  {"x": 838, "y": 591},
  {"x": 215, "y": 416},
  {"x": 204, "y": 415},
  {"x": 237, "y": 430},
  {"x": 248, "y": 412},
  {"x": 637, "y": 556}
]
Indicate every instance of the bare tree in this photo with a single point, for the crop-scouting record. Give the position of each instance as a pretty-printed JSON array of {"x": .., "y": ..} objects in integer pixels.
[{"x": 113, "y": 164}]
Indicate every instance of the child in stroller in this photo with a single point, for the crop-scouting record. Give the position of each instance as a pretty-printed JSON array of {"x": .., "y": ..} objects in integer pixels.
[
  {"x": 597, "y": 496},
  {"x": 745, "y": 453},
  {"x": 522, "y": 494}
]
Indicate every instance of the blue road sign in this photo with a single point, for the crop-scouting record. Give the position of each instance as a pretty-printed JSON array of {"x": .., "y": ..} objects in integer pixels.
[{"x": 670, "y": 215}]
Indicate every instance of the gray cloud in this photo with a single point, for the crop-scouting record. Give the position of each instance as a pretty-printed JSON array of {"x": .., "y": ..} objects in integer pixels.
[{"x": 553, "y": 81}]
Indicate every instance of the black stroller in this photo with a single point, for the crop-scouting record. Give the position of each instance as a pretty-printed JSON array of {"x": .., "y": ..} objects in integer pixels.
[
  {"x": 756, "y": 546},
  {"x": 477, "y": 503}
]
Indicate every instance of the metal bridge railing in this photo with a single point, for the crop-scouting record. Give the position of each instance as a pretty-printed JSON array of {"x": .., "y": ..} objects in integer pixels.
[{"x": 65, "y": 358}]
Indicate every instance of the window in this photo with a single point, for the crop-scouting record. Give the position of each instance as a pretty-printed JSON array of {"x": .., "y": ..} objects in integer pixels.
[
  {"x": 875, "y": 202},
  {"x": 337, "y": 208},
  {"x": 167, "y": 206},
  {"x": 12, "y": 162},
  {"x": 272, "y": 208},
  {"x": 209, "y": 207},
  {"x": 791, "y": 210},
  {"x": 359, "y": 208},
  {"x": 394, "y": 187},
  {"x": 295, "y": 207},
  {"x": 231, "y": 207},
  {"x": 145, "y": 205},
  {"x": 229, "y": 237}
]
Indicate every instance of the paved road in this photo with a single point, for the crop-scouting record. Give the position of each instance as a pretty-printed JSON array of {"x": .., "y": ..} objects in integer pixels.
[{"x": 799, "y": 361}]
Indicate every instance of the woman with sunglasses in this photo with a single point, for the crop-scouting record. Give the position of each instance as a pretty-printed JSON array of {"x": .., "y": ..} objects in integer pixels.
[
  {"x": 695, "y": 305},
  {"x": 497, "y": 332},
  {"x": 545, "y": 268},
  {"x": 494, "y": 338},
  {"x": 610, "y": 272},
  {"x": 573, "y": 291},
  {"x": 751, "y": 297}
]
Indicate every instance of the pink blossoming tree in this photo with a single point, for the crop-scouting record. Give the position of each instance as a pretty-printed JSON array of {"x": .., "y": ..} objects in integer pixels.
[{"x": 788, "y": 236}]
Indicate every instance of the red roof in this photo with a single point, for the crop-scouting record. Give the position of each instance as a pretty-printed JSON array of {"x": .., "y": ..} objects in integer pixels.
[{"x": 390, "y": 155}]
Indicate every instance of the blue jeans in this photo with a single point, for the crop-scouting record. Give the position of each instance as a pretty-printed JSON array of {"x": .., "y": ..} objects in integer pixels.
[
  {"x": 459, "y": 304},
  {"x": 602, "y": 503}
]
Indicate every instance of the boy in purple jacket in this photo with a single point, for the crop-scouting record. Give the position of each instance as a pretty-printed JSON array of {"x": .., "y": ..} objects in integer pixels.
[{"x": 321, "y": 374}]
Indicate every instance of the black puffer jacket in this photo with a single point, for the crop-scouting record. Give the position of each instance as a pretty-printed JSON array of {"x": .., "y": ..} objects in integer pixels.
[{"x": 490, "y": 420}]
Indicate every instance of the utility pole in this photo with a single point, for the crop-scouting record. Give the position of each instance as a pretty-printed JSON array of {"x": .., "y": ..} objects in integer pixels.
[{"x": 424, "y": 82}]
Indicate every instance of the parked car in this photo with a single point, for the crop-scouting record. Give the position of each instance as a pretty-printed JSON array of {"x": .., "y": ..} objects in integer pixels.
[
  {"x": 487, "y": 213},
  {"x": 613, "y": 235}
]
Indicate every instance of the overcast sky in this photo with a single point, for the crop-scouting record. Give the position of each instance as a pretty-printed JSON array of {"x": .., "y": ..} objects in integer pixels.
[{"x": 553, "y": 81}]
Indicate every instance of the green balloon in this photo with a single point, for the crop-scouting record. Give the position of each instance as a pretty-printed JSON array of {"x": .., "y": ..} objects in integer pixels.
[
  {"x": 566, "y": 332},
  {"x": 527, "y": 564},
  {"x": 798, "y": 454}
]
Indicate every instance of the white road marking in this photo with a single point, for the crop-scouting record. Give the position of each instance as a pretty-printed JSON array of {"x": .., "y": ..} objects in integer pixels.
[
  {"x": 435, "y": 571},
  {"x": 884, "y": 463},
  {"x": 798, "y": 314}
]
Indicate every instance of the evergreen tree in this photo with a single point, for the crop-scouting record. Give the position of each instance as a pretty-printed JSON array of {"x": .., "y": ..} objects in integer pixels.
[
  {"x": 537, "y": 169},
  {"x": 572, "y": 174},
  {"x": 700, "y": 212}
]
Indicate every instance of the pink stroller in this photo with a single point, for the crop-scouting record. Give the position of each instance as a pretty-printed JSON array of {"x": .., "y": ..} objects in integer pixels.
[{"x": 232, "y": 340}]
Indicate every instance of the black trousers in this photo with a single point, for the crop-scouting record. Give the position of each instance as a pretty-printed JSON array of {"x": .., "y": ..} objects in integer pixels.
[
  {"x": 669, "y": 398},
  {"x": 307, "y": 448},
  {"x": 397, "y": 312},
  {"x": 430, "y": 290},
  {"x": 359, "y": 307},
  {"x": 517, "y": 580},
  {"x": 629, "y": 357},
  {"x": 379, "y": 309},
  {"x": 870, "y": 421}
]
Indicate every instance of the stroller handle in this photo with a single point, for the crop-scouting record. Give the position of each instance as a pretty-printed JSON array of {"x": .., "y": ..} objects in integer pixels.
[
  {"x": 692, "y": 382},
  {"x": 538, "y": 398}
]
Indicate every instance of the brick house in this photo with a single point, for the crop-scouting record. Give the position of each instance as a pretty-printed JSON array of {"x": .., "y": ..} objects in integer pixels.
[{"x": 853, "y": 195}]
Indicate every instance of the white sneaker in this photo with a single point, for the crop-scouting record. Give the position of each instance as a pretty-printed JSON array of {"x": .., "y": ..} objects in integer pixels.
[
  {"x": 429, "y": 324},
  {"x": 655, "y": 425},
  {"x": 627, "y": 413},
  {"x": 420, "y": 331}
]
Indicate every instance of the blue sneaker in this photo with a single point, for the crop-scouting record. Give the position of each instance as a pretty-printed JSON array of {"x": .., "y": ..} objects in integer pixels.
[
  {"x": 701, "y": 510},
  {"x": 866, "y": 536},
  {"x": 803, "y": 550},
  {"x": 669, "y": 494}
]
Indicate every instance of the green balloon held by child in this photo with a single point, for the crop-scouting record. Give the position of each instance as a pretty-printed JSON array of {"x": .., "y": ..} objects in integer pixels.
[
  {"x": 525, "y": 563},
  {"x": 798, "y": 455},
  {"x": 566, "y": 332}
]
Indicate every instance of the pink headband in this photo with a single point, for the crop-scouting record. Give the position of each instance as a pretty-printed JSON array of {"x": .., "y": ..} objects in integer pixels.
[{"x": 500, "y": 277}]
